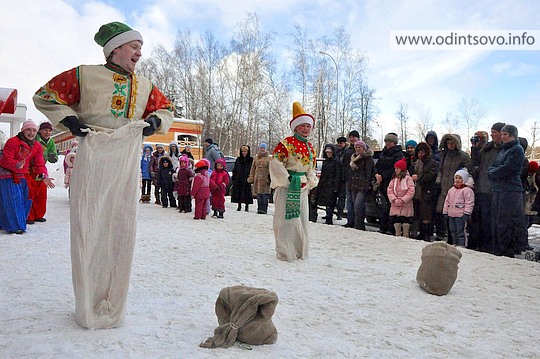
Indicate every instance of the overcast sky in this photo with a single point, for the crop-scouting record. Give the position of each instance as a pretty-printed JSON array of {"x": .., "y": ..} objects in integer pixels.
[{"x": 42, "y": 38}]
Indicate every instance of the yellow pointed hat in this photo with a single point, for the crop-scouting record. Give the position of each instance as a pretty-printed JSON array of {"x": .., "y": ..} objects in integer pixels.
[{"x": 300, "y": 116}]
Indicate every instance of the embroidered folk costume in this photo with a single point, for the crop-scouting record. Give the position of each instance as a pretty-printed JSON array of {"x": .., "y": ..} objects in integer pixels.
[
  {"x": 292, "y": 173},
  {"x": 113, "y": 101}
]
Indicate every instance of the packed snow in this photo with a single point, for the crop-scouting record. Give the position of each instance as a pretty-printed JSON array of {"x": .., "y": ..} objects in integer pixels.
[{"x": 355, "y": 297}]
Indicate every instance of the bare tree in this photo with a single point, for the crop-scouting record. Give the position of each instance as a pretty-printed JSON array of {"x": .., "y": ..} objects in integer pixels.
[
  {"x": 451, "y": 122},
  {"x": 402, "y": 115},
  {"x": 368, "y": 110},
  {"x": 424, "y": 124},
  {"x": 471, "y": 112},
  {"x": 534, "y": 134}
]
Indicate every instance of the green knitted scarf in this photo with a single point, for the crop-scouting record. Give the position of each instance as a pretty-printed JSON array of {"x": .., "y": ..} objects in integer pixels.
[{"x": 292, "y": 206}]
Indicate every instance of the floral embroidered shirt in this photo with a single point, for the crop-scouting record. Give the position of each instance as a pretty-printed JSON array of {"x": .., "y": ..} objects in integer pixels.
[
  {"x": 293, "y": 154},
  {"x": 103, "y": 97}
]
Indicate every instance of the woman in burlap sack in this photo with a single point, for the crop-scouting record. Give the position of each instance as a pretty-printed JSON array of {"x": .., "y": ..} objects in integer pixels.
[
  {"x": 292, "y": 173},
  {"x": 113, "y": 100}
]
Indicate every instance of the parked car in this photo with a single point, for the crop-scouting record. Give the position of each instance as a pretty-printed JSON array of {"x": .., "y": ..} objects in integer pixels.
[{"x": 229, "y": 162}]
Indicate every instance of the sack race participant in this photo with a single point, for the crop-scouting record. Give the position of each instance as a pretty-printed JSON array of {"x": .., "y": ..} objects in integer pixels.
[
  {"x": 292, "y": 174},
  {"x": 112, "y": 100}
]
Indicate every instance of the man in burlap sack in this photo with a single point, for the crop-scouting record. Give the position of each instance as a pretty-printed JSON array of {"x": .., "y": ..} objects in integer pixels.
[
  {"x": 112, "y": 100},
  {"x": 438, "y": 271},
  {"x": 244, "y": 315}
]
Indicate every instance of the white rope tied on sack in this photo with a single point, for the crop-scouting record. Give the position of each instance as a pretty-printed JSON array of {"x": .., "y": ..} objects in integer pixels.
[{"x": 233, "y": 325}]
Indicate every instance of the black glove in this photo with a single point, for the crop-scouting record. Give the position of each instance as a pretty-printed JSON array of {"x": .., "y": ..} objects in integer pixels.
[
  {"x": 74, "y": 125},
  {"x": 466, "y": 217},
  {"x": 154, "y": 122},
  {"x": 52, "y": 157}
]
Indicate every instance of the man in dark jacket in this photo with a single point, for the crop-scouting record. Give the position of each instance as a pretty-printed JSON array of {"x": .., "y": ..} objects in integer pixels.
[
  {"x": 342, "y": 193},
  {"x": 480, "y": 230},
  {"x": 384, "y": 169},
  {"x": 347, "y": 174},
  {"x": 507, "y": 204},
  {"x": 329, "y": 182}
]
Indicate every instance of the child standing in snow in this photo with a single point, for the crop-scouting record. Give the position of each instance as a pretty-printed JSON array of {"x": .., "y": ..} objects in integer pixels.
[
  {"x": 165, "y": 182},
  {"x": 200, "y": 189},
  {"x": 400, "y": 194},
  {"x": 458, "y": 206},
  {"x": 218, "y": 184},
  {"x": 69, "y": 161},
  {"x": 182, "y": 185}
]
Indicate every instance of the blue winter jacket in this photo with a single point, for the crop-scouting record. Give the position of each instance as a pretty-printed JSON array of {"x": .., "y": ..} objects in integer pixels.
[
  {"x": 504, "y": 174},
  {"x": 145, "y": 163}
]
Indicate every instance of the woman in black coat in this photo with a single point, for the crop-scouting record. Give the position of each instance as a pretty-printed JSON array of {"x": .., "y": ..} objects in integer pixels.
[
  {"x": 241, "y": 189},
  {"x": 329, "y": 182}
]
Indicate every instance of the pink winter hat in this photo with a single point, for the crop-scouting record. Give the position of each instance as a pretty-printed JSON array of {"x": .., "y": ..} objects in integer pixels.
[{"x": 29, "y": 124}]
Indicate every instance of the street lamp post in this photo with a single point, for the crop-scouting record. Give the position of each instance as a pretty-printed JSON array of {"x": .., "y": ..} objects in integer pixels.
[{"x": 337, "y": 81}]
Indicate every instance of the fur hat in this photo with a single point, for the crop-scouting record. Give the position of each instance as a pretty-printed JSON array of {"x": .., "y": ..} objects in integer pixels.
[
  {"x": 360, "y": 143},
  {"x": 29, "y": 124},
  {"x": 463, "y": 173},
  {"x": 422, "y": 146},
  {"x": 401, "y": 164},
  {"x": 45, "y": 126},
  {"x": 115, "y": 34},
  {"x": 300, "y": 117},
  {"x": 511, "y": 130},
  {"x": 341, "y": 139},
  {"x": 160, "y": 145},
  {"x": 498, "y": 126},
  {"x": 533, "y": 167},
  {"x": 354, "y": 133},
  {"x": 391, "y": 137}
]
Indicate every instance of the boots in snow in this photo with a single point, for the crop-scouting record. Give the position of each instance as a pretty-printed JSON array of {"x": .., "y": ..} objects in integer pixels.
[
  {"x": 220, "y": 214},
  {"x": 406, "y": 230},
  {"x": 397, "y": 227},
  {"x": 239, "y": 208},
  {"x": 247, "y": 207},
  {"x": 215, "y": 215}
]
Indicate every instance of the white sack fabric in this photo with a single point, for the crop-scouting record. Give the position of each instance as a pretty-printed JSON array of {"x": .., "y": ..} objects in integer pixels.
[
  {"x": 103, "y": 211},
  {"x": 292, "y": 235}
]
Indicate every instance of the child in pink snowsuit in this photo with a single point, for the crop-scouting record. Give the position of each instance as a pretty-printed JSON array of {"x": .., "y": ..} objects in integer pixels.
[
  {"x": 458, "y": 206},
  {"x": 200, "y": 189},
  {"x": 218, "y": 185}
]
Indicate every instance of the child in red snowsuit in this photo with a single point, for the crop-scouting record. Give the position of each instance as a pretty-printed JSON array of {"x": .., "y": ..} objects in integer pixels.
[
  {"x": 218, "y": 185},
  {"x": 200, "y": 189}
]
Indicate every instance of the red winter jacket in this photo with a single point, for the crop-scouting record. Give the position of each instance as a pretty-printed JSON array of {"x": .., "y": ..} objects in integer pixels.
[
  {"x": 200, "y": 187},
  {"x": 17, "y": 157}
]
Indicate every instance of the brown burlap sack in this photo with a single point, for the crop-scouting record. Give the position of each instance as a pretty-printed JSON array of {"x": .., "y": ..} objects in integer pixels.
[
  {"x": 439, "y": 267},
  {"x": 244, "y": 315}
]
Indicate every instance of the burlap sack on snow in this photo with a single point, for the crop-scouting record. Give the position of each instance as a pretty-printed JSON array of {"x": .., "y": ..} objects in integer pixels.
[
  {"x": 244, "y": 315},
  {"x": 439, "y": 267}
]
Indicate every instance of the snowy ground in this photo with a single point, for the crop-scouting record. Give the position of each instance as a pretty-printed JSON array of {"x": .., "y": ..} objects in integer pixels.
[{"x": 355, "y": 297}]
